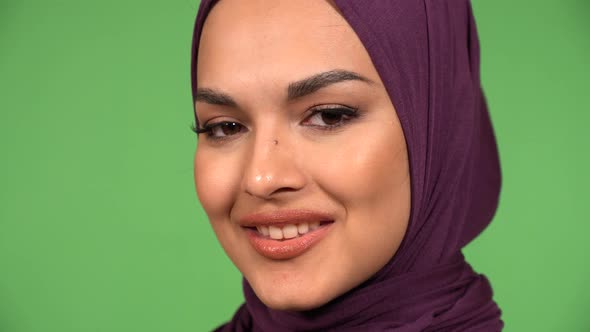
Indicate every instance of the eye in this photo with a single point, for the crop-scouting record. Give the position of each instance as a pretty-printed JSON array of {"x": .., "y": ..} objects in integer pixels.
[
  {"x": 221, "y": 130},
  {"x": 330, "y": 116}
]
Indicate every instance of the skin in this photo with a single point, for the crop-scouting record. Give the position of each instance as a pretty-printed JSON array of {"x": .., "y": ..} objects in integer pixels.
[{"x": 282, "y": 155}]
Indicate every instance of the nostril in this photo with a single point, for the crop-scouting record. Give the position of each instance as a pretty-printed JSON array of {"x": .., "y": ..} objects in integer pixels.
[{"x": 284, "y": 190}]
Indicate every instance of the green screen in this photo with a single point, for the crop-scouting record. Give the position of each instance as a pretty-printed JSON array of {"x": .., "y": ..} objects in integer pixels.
[{"x": 100, "y": 227}]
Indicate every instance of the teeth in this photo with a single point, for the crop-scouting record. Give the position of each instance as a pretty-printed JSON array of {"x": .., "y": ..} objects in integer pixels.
[
  {"x": 287, "y": 231},
  {"x": 263, "y": 230},
  {"x": 303, "y": 228},
  {"x": 275, "y": 232}
]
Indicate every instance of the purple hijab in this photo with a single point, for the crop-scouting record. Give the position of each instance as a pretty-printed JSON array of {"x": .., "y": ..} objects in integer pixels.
[{"x": 427, "y": 55}]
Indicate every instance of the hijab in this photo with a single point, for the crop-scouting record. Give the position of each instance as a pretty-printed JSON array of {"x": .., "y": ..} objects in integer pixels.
[{"x": 427, "y": 55}]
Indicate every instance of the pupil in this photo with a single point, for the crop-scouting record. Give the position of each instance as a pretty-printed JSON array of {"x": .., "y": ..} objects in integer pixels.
[
  {"x": 230, "y": 128},
  {"x": 331, "y": 118}
]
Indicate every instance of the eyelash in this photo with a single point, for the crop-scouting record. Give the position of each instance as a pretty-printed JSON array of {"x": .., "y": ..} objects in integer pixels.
[{"x": 346, "y": 113}]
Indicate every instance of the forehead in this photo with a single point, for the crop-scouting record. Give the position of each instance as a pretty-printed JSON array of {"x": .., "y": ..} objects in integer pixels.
[{"x": 249, "y": 41}]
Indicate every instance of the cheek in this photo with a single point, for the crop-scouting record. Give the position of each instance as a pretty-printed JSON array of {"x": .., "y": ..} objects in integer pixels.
[
  {"x": 366, "y": 170},
  {"x": 369, "y": 177},
  {"x": 216, "y": 182}
]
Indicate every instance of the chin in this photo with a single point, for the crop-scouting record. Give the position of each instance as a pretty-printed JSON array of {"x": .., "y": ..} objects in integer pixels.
[
  {"x": 292, "y": 298},
  {"x": 292, "y": 304}
]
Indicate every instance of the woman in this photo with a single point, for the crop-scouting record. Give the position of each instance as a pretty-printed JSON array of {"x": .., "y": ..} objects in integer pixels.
[{"x": 345, "y": 157}]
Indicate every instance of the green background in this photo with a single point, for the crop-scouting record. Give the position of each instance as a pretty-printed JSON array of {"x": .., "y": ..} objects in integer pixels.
[{"x": 100, "y": 228}]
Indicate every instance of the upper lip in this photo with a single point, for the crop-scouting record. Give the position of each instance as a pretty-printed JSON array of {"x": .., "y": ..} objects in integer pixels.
[{"x": 284, "y": 217}]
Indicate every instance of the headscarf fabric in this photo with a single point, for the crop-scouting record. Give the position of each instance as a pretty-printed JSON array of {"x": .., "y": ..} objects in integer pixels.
[{"x": 427, "y": 55}]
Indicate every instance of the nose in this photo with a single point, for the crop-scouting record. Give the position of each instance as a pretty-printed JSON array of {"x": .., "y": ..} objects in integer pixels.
[{"x": 273, "y": 168}]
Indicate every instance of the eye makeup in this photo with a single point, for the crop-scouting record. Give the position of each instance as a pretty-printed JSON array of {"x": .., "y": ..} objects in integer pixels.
[
  {"x": 323, "y": 117},
  {"x": 330, "y": 117}
]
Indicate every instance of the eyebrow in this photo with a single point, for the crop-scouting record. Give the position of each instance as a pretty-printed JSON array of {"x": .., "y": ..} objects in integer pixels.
[
  {"x": 295, "y": 90},
  {"x": 319, "y": 81},
  {"x": 214, "y": 97}
]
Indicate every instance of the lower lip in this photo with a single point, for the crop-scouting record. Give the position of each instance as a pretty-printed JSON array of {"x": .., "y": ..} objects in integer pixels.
[{"x": 286, "y": 249}]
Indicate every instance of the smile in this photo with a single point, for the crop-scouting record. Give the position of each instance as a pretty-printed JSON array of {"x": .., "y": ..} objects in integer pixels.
[
  {"x": 285, "y": 234},
  {"x": 288, "y": 231}
]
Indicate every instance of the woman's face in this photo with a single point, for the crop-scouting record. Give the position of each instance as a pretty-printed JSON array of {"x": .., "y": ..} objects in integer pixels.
[{"x": 302, "y": 165}]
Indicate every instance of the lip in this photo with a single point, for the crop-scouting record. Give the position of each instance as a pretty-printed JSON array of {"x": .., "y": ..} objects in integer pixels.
[{"x": 289, "y": 248}]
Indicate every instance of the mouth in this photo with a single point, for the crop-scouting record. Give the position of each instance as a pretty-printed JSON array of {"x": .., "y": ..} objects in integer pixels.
[
  {"x": 286, "y": 234},
  {"x": 287, "y": 231}
]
